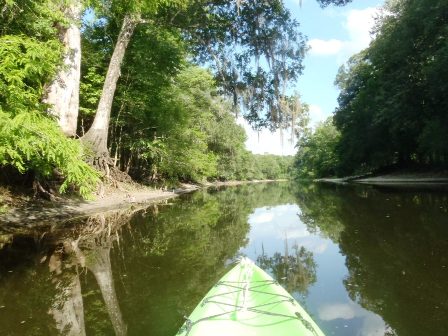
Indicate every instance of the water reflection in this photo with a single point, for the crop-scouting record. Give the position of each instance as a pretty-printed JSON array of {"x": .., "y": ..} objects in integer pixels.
[
  {"x": 370, "y": 325},
  {"x": 67, "y": 307},
  {"x": 363, "y": 261},
  {"x": 118, "y": 273},
  {"x": 295, "y": 271},
  {"x": 394, "y": 243},
  {"x": 61, "y": 259}
]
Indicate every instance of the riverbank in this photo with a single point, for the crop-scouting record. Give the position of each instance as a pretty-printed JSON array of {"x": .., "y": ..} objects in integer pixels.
[
  {"x": 26, "y": 212},
  {"x": 396, "y": 178}
]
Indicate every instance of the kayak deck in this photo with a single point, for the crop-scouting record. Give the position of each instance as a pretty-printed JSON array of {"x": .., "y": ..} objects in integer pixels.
[{"x": 247, "y": 301}]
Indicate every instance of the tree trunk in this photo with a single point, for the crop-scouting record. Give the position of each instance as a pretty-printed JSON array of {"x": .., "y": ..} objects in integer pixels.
[
  {"x": 96, "y": 136},
  {"x": 63, "y": 92}
]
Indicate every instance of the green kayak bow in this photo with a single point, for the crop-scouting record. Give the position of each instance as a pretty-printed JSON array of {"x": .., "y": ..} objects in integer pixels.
[{"x": 248, "y": 302}]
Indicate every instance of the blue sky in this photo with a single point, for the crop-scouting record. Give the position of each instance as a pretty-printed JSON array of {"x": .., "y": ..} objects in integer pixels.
[{"x": 334, "y": 34}]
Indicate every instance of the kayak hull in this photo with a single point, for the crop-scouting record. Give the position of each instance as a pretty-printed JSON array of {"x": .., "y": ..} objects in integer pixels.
[{"x": 247, "y": 301}]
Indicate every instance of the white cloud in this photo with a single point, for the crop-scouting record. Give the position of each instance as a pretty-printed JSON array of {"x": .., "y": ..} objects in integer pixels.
[
  {"x": 335, "y": 311},
  {"x": 265, "y": 141},
  {"x": 325, "y": 47},
  {"x": 358, "y": 24},
  {"x": 316, "y": 246},
  {"x": 371, "y": 325},
  {"x": 262, "y": 218},
  {"x": 293, "y": 232},
  {"x": 316, "y": 115}
]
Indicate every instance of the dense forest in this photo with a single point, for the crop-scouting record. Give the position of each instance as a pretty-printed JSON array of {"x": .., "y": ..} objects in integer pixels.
[
  {"x": 92, "y": 89},
  {"x": 103, "y": 90},
  {"x": 393, "y": 99}
]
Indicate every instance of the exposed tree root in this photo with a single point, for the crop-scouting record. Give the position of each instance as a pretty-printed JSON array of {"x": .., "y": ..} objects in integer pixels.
[
  {"x": 112, "y": 177},
  {"x": 47, "y": 193}
]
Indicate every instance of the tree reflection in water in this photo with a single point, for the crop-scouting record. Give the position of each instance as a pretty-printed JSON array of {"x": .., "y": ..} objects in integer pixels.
[
  {"x": 67, "y": 308},
  {"x": 394, "y": 243},
  {"x": 47, "y": 273},
  {"x": 141, "y": 272},
  {"x": 89, "y": 251},
  {"x": 295, "y": 271}
]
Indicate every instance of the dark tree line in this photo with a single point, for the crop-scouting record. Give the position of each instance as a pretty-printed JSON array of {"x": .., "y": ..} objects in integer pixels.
[{"x": 393, "y": 101}]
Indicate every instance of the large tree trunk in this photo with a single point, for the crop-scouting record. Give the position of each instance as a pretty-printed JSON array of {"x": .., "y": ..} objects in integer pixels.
[
  {"x": 96, "y": 136},
  {"x": 63, "y": 92}
]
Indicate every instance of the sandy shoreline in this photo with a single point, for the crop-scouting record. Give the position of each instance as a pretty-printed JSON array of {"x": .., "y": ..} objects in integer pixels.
[{"x": 393, "y": 179}]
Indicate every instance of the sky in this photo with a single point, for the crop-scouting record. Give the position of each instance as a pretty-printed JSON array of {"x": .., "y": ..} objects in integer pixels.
[{"x": 334, "y": 34}]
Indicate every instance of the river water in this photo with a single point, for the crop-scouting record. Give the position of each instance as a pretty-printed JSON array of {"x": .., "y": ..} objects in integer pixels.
[{"x": 361, "y": 260}]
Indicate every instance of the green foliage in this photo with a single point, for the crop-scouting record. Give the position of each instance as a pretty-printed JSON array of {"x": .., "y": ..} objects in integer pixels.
[
  {"x": 90, "y": 92},
  {"x": 233, "y": 38},
  {"x": 316, "y": 156},
  {"x": 177, "y": 127},
  {"x": 37, "y": 18},
  {"x": 140, "y": 9},
  {"x": 187, "y": 157},
  {"x": 27, "y": 64},
  {"x": 269, "y": 166},
  {"x": 393, "y": 101},
  {"x": 168, "y": 121},
  {"x": 31, "y": 141}
]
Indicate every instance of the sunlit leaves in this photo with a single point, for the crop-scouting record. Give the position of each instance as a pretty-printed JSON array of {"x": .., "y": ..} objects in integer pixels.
[
  {"x": 25, "y": 67},
  {"x": 31, "y": 141},
  {"x": 36, "y": 18}
]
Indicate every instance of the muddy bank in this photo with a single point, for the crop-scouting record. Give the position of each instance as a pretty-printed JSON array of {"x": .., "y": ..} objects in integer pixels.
[
  {"x": 29, "y": 214},
  {"x": 36, "y": 213}
]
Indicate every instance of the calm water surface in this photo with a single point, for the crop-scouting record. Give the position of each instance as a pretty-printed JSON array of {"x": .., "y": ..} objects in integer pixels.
[{"x": 361, "y": 260}]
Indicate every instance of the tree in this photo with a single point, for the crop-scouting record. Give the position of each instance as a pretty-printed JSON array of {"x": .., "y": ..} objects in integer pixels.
[
  {"x": 63, "y": 93},
  {"x": 274, "y": 37},
  {"x": 31, "y": 141},
  {"x": 296, "y": 272},
  {"x": 132, "y": 14},
  {"x": 254, "y": 49},
  {"x": 365, "y": 140},
  {"x": 316, "y": 154},
  {"x": 392, "y": 105}
]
